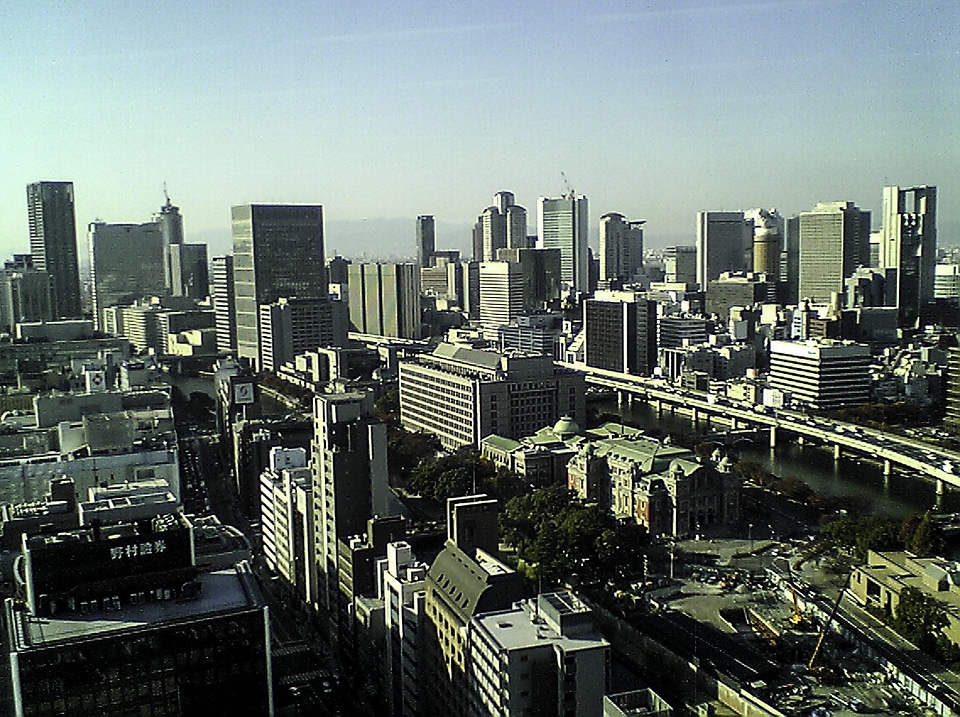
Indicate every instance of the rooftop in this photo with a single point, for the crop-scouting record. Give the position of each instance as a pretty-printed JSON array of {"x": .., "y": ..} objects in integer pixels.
[{"x": 221, "y": 591}]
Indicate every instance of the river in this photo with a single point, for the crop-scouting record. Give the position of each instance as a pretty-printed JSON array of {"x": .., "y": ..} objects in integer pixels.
[{"x": 899, "y": 496}]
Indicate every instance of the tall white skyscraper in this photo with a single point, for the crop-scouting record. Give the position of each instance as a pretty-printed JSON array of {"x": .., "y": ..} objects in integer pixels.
[
  {"x": 908, "y": 248},
  {"x": 501, "y": 292},
  {"x": 724, "y": 243},
  {"x": 563, "y": 224}
]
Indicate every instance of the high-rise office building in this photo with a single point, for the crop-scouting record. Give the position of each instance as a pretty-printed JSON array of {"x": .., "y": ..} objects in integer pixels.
[
  {"x": 493, "y": 226},
  {"x": 621, "y": 332},
  {"x": 290, "y": 327},
  {"x": 824, "y": 374},
  {"x": 53, "y": 243},
  {"x": 26, "y": 294},
  {"x": 189, "y": 269},
  {"x": 426, "y": 239},
  {"x": 621, "y": 248},
  {"x": 126, "y": 264},
  {"x": 563, "y": 224},
  {"x": 170, "y": 223},
  {"x": 908, "y": 248},
  {"x": 349, "y": 478},
  {"x": 224, "y": 303},
  {"x": 724, "y": 243},
  {"x": 501, "y": 292},
  {"x": 516, "y": 221},
  {"x": 277, "y": 252},
  {"x": 834, "y": 242},
  {"x": 385, "y": 299},
  {"x": 541, "y": 275},
  {"x": 680, "y": 264},
  {"x": 789, "y": 288},
  {"x": 503, "y": 200}
]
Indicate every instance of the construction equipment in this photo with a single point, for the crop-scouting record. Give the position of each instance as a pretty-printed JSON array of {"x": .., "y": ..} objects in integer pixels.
[
  {"x": 797, "y": 617},
  {"x": 826, "y": 624}
]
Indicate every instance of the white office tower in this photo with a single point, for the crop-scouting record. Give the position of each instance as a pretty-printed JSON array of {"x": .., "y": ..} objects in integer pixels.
[
  {"x": 821, "y": 374},
  {"x": 563, "y": 224},
  {"x": 621, "y": 248},
  {"x": 946, "y": 281},
  {"x": 286, "y": 520},
  {"x": 834, "y": 243},
  {"x": 501, "y": 292},
  {"x": 724, "y": 243},
  {"x": 402, "y": 589},
  {"x": 544, "y": 656},
  {"x": 908, "y": 248},
  {"x": 349, "y": 477}
]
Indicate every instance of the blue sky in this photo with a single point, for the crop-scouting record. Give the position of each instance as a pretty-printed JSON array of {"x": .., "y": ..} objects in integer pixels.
[{"x": 388, "y": 110}]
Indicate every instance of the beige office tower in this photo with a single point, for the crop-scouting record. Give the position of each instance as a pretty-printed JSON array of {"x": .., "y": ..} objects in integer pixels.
[{"x": 767, "y": 233}]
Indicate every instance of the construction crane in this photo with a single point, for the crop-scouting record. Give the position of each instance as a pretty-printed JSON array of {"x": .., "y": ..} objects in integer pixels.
[
  {"x": 826, "y": 624},
  {"x": 797, "y": 617},
  {"x": 566, "y": 185}
]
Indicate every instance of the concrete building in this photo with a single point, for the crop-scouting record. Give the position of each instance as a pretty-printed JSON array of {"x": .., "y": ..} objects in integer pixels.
[
  {"x": 541, "y": 275},
  {"x": 289, "y": 327},
  {"x": 53, "y": 243},
  {"x": 277, "y": 251},
  {"x": 908, "y": 248},
  {"x": 621, "y": 332},
  {"x": 946, "y": 281},
  {"x": 126, "y": 264},
  {"x": 516, "y": 226},
  {"x": 286, "y": 520},
  {"x": 823, "y": 375},
  {"x": 403, "y": 590},
  {"x": 26, "y": 294},
  {"x": 563, "y": 224},
  {"x": 224, "y": 303},
  {"x": 767, "y": 234},
  {"x": 789, "y": 291},
  {"x": 461, "y": 394},
  {"x": 349, "y": 479},
  {"x": 532, "y": 333},
  {"x": 738, "y": 289},
  {"x": 724, "y": 243},
  {"x": 169, "y": 221},
  {"x": 501, "y": 292},
  {"x": 834, "y": 242},
  {"x": 680, "y": 265},
  {"x": 462, "y": 582},
  {"x": 385, "y": 299},
  {"x": 189, "y": 267},
  {"x": 951, "y": 418},
  {"x": 542, "y": 656},
  {"x": 621, "y": 248},
  {"x": 493, "y": 232},
  {"x": 134, "y": 628},
  {"x": 426, "y": 240},
  {"x": 674, "y": 330}
]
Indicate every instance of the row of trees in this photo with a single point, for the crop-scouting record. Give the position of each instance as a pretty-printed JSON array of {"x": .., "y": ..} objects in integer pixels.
[
  {"x": 921, "y": 618},
  {"x": 917, "y": 533}
]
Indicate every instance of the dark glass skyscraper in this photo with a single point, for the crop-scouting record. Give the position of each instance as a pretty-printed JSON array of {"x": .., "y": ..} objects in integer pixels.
[
  {"x": 277, "y": 252},
  {"x": 426, "y": 239},
  {"x": 53, "y": 243}
]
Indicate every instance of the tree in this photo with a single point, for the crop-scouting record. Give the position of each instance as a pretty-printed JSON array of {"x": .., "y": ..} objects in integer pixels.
[
  {"x": 924, "y": 540},
  {"x": 920, "y": 619}
]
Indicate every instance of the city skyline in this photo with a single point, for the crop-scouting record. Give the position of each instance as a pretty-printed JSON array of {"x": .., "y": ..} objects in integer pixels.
[{"x": 386, "y": 114}]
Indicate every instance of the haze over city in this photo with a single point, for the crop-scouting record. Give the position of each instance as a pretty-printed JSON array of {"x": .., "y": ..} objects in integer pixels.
[{"x": 383, "y": 112}]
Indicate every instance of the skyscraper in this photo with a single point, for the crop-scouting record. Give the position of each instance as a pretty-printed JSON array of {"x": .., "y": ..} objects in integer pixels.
[
  {"x": 426, "y": 239},
  {"x": 908, "y": 248},
  {"x": 767, "y": 230},
  {"x": 171, "y": 230},
  {"x": 494, "y": 232},
  {"x": 620, "y": 330},
  {"x": 563, "y": 224},
  {"x": 834, "y": 242},
  {"x": 349, "y": 477},
  {"x": 501, "y": 292},
  {"x": 724, "y": 243},
  {"x": 126, "y": 264},
  {"x": 277, "y": 252},
  {"x": 385, "y": 299},
  {"x": 621, "y": 248},
  {"x": 224, "y": 303},
  {"x": 516, "y": 221},
  {"x": 53, "y": 243},
  {"x": 26, "y": 294}
]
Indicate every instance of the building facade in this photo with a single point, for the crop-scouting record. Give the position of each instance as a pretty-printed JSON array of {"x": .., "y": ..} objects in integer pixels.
[
  {"x": 426, "y": 240},
  {"x": 385, "y": 299},
  {"x": 724, "y": 243},
  {"x": 277, "y": 252},
  {"x": 224, "y": 303},
  {"x": 563, "y": 224},
  {"x": 834, "y": 242},
  {"x": 825, "y": 374},
  {"x": 621, "y": 248},
  {"x": 908, "y": 248},
  {"x": 621, "y": 332},
  {"x": 461, "y": 394},
  {"x": 53, "y": 243}
]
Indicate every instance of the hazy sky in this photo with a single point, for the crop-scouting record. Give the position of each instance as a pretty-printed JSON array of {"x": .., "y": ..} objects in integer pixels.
[{"x": 393, "y": 109}]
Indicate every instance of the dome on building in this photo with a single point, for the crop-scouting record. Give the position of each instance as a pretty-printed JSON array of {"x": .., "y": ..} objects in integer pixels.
[{"x": 565, "y": 427}]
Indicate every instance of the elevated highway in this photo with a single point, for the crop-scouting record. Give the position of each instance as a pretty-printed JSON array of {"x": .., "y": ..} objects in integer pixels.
[{"x": 893, "y": 451}]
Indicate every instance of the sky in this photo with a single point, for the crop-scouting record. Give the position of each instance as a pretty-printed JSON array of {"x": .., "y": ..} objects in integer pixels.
[{"x": 382, "y": 111}]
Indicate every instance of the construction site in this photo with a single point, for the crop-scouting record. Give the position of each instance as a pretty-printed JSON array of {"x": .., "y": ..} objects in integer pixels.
[{"x": 749, "y": 628}]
